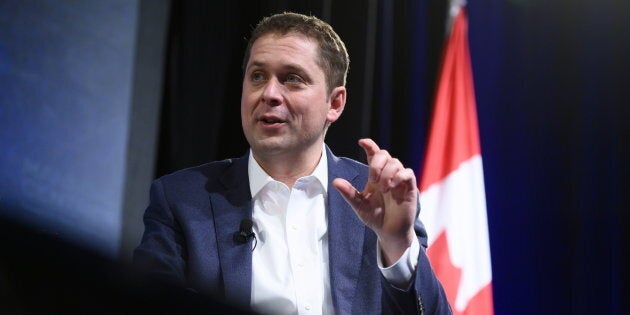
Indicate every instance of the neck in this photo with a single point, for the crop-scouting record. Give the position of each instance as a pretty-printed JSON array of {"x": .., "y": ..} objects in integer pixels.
[{"x": 289, "y": 167}]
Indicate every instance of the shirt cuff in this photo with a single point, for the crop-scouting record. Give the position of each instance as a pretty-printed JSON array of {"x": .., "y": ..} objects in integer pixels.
[{"x": 399, "y": 274}]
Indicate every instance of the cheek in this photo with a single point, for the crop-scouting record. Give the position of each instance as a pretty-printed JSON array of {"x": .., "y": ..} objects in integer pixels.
[
  {"x": 248, "y": 93},
  {"x": 243, "y": 108},
  {"x": 314, "y": 117},
  {"x": 246, "y": 112},
  {"x": 248, "y": 101}
]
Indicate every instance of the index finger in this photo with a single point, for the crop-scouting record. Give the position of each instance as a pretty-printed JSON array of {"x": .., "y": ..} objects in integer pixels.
[{"x": 370, "y": 148}]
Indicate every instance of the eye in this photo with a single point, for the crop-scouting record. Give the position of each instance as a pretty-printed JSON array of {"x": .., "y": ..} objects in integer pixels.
[
  {"x": 257, "y": 76},
  {"x": 294, "y": 78}
]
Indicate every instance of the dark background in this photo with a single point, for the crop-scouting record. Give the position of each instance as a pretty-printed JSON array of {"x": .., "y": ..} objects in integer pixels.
[{"x": 99, "y": 97}]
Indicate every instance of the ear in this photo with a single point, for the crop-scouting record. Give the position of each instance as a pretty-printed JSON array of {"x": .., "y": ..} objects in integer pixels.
[{"x": 337, "y": 103}]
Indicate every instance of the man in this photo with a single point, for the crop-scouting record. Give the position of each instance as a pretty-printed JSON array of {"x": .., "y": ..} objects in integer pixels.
[{"x": 319, "y": 246}]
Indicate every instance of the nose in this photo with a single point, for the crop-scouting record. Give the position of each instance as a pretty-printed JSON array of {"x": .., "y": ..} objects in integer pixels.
[{"x": 272, "y": 93}]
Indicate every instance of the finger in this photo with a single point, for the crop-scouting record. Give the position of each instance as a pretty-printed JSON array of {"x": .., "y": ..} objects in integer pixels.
[
  {"x": 389, "y": 171},
  {"x": 349, "y": 193},
  {"x": 405, "y": 177},
  {"x": 378, "y": 163},
  {"x": 370, "y": 148},
  {"x": 404, "y": 187}
]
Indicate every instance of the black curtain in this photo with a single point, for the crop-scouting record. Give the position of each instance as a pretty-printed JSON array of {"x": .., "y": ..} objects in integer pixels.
[{"x": 201, "y": 105}]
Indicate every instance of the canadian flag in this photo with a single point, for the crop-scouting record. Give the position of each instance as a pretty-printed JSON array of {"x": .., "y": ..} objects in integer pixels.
[{"x": 452, "y": 190}]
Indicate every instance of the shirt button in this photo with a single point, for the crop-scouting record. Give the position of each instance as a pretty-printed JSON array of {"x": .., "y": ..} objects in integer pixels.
[
  {"x": 294, "y": 227},
  {"x": 300, "y": 264},
  {"x": 308, "y": 307}
]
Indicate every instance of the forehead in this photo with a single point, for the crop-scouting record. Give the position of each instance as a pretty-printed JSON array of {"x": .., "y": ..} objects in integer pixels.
[{"x": 287, "y": 48}]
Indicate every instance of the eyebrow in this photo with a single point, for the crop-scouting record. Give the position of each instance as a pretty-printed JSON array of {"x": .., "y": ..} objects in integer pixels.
[
  {"x": 291, "y": 67},
  {"x": 255, "y": 64}
]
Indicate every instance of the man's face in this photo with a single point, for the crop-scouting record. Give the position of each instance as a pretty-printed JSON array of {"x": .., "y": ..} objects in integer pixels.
[{"x": 284, "y": 103}]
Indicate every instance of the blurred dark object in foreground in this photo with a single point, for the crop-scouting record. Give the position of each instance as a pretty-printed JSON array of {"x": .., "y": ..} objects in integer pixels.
[{"x": 40, "y": 274}]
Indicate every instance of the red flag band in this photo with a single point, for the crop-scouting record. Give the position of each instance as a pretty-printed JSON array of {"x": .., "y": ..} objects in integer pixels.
[{"x": 452, "y": 192}]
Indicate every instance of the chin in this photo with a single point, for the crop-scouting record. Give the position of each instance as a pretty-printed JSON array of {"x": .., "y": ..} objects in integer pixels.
[{"x": 269, "y": 146}]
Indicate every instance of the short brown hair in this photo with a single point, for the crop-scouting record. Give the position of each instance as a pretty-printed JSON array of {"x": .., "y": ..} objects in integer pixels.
[{"x": 333, "y": 56}]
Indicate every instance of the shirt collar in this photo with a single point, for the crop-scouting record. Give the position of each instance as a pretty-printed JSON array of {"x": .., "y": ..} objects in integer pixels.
[{"x": 258, "y": 178}]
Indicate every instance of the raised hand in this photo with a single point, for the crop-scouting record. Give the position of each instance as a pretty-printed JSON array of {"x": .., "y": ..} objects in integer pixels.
[{"x": 388, "y": 203}]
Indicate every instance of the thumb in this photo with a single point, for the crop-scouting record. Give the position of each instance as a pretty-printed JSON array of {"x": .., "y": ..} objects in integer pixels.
[{"x": 348, "y": 192}]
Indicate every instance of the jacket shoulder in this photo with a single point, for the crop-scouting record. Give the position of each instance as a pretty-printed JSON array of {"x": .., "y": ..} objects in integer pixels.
[
  {"x": 202, "y": 170},
  {"x": 212, "y": 176}
]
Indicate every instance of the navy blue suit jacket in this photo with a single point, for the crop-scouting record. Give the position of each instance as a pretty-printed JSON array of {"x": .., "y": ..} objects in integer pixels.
[{"x": 189, "y": 239}]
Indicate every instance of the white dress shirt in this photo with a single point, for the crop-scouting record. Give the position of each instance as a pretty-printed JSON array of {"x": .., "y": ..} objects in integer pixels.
[{"x": 290, "y": 261}]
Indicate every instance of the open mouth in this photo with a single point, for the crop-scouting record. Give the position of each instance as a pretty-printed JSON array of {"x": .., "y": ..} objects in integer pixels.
[{"x": 271, "y": 120}]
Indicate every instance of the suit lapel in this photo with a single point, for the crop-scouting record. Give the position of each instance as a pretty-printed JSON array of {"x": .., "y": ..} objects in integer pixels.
[
  {"x": 230, "y": 207},
  {"x": 345, "y": 234},
  {"x": 345, "y": 237}
]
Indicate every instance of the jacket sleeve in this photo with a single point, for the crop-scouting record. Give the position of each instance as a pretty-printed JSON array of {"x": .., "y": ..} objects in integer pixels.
[
  {"x": 425, "y": 294},
  {"x": 161, "y": 254}
]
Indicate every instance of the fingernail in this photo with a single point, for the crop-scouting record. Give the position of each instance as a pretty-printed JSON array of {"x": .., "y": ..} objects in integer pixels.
[{"x": 358, "y": 195}]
